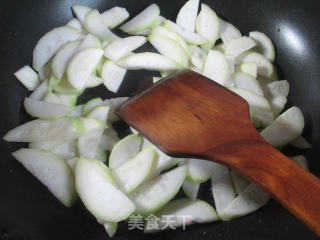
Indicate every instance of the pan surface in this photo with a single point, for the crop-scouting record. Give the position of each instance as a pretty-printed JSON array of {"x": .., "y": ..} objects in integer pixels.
[{"x": 29, "y": 211}]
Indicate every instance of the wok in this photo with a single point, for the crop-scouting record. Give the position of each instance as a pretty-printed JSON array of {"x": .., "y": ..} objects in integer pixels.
[{"x": 29, "y": 211}]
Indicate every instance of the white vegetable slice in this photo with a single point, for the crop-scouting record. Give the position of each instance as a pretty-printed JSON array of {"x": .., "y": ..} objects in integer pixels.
[
  {"x": 188, "y": 36},
  {"x": 133, "y": 172},
  {"x": 188, "y": 14},
  {"x": 260, "y": 110},
  {"x": 52, "y": 130},
  {"x": 302, "y": 161},
  {"x": 207, "y": 25},
  {"x": 122, "y": 47},
  {"x": 170, "y": 49},
  {"x": 239, "y": 45},
  {"x": 65, "y": 87},
  {"x": 51, "y": 171},
  {"x": 99, "y": 113},
  {"x": 112, "y": 75},
  {"x": 63, "y": 149},
  {"x": 124, "y": 150},
  {"x": 285, "y": 128},
  {"x": 240, "y": 182},
  {"x": 148, "y": 61},
  {"x": 264, "y": 44},
  {"x": 216, "y": 67},
  {"x": 82, "y": 65},
  {"x": 191, "y": 189},
  {"x": 93, "y": 81},
  {"x": 58, "y": 98},
  {"x": 182, "y": 212},
  {"x": 111, "y": 228},
  {"x": 62, "y": 58},
  {"x": 90, "y": 105},
  {"x": 231, "y": 61},
  {"x": 197, "y": 56},
  {"x": 88, "y": 144},
  {"x": 114, "y": 103},
  {"x": 28, "y": 77},
  {"x": 40, "y": 91},
  {"x": 96, "y": 187},
  {"x": 94, "y": 24},
  {"x": 300, "y": 142},
  {"x": 250, "y": 68},
  {"x": 245, "y": 81},
  {"x": 45, "y": 72},
  {"x": 45, "y": 110},
  {"x": 80, "y": 11},
  {"x": 108, "y": 139},
  {"x": 51, "y": 42},
  {"x": 156, "y": 79},
  {"x": 228, "y": 32},
  {"x": 75, "y": 23},
  {"x": 278, "y": 88},
  {"x": 163, "y": 160},
  {"x": 265, "y": 67},
  {"x": 154, "y": 194},
  {"x": 277, "y": 104},
  {"x": 198, "y": 170},
  {"x": 72, "y": 162},
  {"x": 90, "y": 41},
  {"x": 146, "y": 19},
  {"x": 222, "y": 188},
  {"x": 250, "y": 200},
  {"x": 114, "y": 16}
]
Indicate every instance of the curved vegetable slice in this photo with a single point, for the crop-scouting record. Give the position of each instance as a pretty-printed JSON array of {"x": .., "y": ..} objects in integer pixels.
[
  {"x": 146, "y": 19},
  {"x": 216, "y": 67},
  {"x": 182, "y": 212},
  {"x": 94, "y": 24},
  {"x": 40, "y": 91},
  {"x": 98, "y": 192},
  {"x": 148, "y": 61},
  {"x": 222, "y": 188},
  {"x": 228, "y": 32},
  {"x": 170, "y": 49},
  {"x": 62, "y": 58},
  {"x": 114, "y": 103},
  {"x": 154, "y": 194},
  {"x": 265, "y": 67},
  {"x": 82, "y": 65},
  {"x": 207, "y": 25},
  {"x": 75, "y": 23},
  {"x": 245, "y": 81},
  {"x": 80, "y": 11},
  {"x": 300, "y": 142},
  {"x": 264, "y": 44},
  {"x": 112, "y": 75},
  {"x": 108, "y": 139},
  {"x": 51, "y": 171},
  {"x": 63, "y": 149},
  {"x": 90, "y": 41},
  {"x": 124, "y": 150},
  {"x": 240, "y": 182},
  {"x": 188, "y": 14},
  {"x": 93, "y": 81},
  {"x": 88, "y": 144},
  {"x": 287, "y": 127},
  {"x": 132, "y": 173},
  {"x": 250, "y": 200},
  {"x": 197, "y": 56},
  {"x": 51, "y": 42},
  {"x": 239, "y": 45},
  {"x": 191, "y": 189},
  {"x": 114, "y": 16},
  {"x": 90, "y": 105},
  {"x": 250, "y": 68},
  {"x": 199, "y": 171},
  {"x": 45, "y": 110},
  {"x": 99, "y": 113},
  {"x": 188, "y": 36},
  {"x": 122, "y": 47},
  {"x": 28, "y": 77}
]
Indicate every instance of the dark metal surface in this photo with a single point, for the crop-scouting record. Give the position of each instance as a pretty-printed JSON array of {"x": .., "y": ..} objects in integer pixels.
[{"x": 28, "y": 211}]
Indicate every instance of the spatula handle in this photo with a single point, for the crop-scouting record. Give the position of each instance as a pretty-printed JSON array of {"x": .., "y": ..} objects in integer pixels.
[{"x": 291, "y": 185}]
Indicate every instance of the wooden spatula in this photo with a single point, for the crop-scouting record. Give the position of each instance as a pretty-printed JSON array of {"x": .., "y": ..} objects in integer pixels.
[{"x": 189, "y": 115}]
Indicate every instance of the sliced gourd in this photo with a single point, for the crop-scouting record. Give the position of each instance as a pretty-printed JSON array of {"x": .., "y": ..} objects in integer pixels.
[
  {"x": 250, "y": 68},
  {"x": 51, "y": 171},
  {"x": 188, "y": 14},
  {"x": 302, "y": 161},
  {"x": 40, "y": 91},
  {"x": 245, "y": 81},
  {"x": 198, "y": 170},
  {"x": 133, "y": 172},
  {"x": 112, "y": 75},
  {"x": 216, "y": 67},
  {"x": 238, "y": 46},
  {"x": 114, "y": 16},
  {"x": 88, "y": 144},
  {"x": 154, "y": 194},
  {"x": 28, "y": 77},
  {"x": 191, "y": 189},
  {"x": 264, "y": 44},
  {"x": 80, "y": 11},
  {"x": 227, "y": 31},
  {"x": 96, "y": 187},
  {"x": 51, "y": 42},
  {"x": 90, "y": 105},
  {"x": 300, "y": 142}
]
